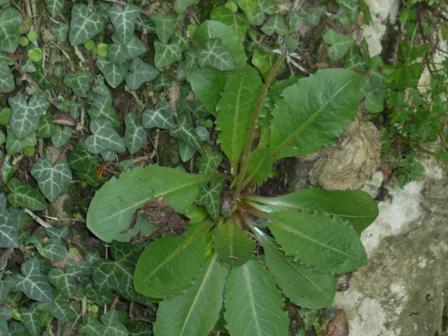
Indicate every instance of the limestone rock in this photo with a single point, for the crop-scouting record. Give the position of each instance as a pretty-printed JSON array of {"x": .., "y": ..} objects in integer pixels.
[
  {"x": 354, "y": 160},
  {"x": 402, "y": 291}
]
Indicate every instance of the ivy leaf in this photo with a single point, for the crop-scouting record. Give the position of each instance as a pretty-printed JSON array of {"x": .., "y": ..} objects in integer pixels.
[
  {"x": 121, "y": 53},
  {"x": 9, "y": 234},
  {"x": 275, "y": 24},
  {"x": 7, "y": 82},
  {"x": 135, "y": 135},
  {"x": 248, "y": 6},
  {"x": 235, "y": 109},
  {"x": 140, "y": 72},
  {"x": 207, "y": 84},
  {"x": 80, "y": 82},
  {"x": 117, "y": 275},
  {"x": 33, "y": 283},
  {"x": 254, "y": 306},
  {"x": 160, "y": 117},
  {"x": 237, "y": 22},
  {"x": 340, "y": 44},
  {"x": 209, "y": 161},
  {"x": 84, "y": 25},
  {"x": 104, "y": 138},
  {"x": 60, "y": 31},
  {"x": 65, "y": 282},
  {"x": 328, "y": 97},
  {"x": 327, "y": 243},
  {"x": 54, "y": 250},
  {"x": 32, "y": 318},
  {"x": 5, "y": 315},
  {"x": 83, "y": 164},
  {"x": 158, "y": 268},
  {"x": 214, "y": 54},
  {"x": 112, "y": 209},
  {"x": 10, "y": 21},
  {"x": 210, "y": 198},
  {"x": 102, "y": 107},
  {"x": 114, "y": 73},
  {"x": 111, "y": 326},
  {"x": 15, "y": 145},
  {"x": 232, "y": 244},
  {"x": 23, "y": 196},
  {"x": 26, "y": 113},
  {"x": 303, "y": 285},
  {"x": 217, "y": 30},
  {"x": 61, "y": 310},
  {"x": 196, "y": 311},
  {"x": 184, "y": 131},
  {"x": 181, "y": 5},
  {"x": 54, "y": 7},
  {"x": 355, "y": 207},
  {"x": 165, "y": 26},
  {"x": 166, "y": 54},
  {"x": 52, "y": 180},
  {"x": 61, "y": 135},
  {"x": 123, "y": 19}
]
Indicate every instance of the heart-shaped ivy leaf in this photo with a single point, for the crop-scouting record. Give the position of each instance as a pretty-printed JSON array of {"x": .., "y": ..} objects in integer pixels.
[
  {"x": 10, "y": 21},
  {"x": 7, "y": 83},
  {"x": 101, "y": 101},
  {"x": 139, "y": 73},
  {"x": 216, "y": 55},
  {"x": 84, "y": 24},
  {"x": 340, "y": 44},
  {"x": 26, "y": 113},
  {"x": 165, "y": 26},
  {"x": 123, "y": 19},
  {"x": 113, "y": 72},
  {"x": 135, "y": 135},
  {"x": 9, "y": 233},
  {"x": 166, "y": 54},
  {"x": 55, "y": 7},
  {"x": 79, "y": 82},
  {"x": 104, "y": 138},
  {"x": 22, "y": 195},
  {"x": 33, "y": 283},
  {"x": 159, "y": 117},
  {"x": 52, "y": 180}
]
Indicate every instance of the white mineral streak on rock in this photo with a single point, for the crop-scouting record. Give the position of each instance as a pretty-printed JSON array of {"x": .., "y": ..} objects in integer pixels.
[{"x": 381, "y": 11}]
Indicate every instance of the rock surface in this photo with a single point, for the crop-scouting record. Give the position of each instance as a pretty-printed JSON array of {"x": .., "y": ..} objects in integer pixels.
[
  {"x": 402, "y": 290},
  {"x": 350, "y": 163}
]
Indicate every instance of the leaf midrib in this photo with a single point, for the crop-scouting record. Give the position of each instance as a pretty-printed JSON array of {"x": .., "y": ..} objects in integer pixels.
[
  {"x": 294, "y": 135},
  {"x": 250, "y": 293}
]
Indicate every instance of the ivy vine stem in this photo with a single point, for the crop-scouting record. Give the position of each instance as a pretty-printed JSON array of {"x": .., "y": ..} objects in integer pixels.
[{"x": 253, "y": 122}]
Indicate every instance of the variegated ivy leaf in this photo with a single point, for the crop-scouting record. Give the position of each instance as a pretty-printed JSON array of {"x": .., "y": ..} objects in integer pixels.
[
  {"x": 65, "y": 282},
  {"x": 54, "y": 251},
  {"x": 33, "y": 283},
  {"x": 166, "y": 54},
  {"x": 10, "y": 21},
  {"x": 159, "y": 117},
  {"x": 83, "y": 164},
  {"x": 15, "y": 145},
  {"x": 181, "y": 5},
  {"x": 45, "y": 127},
  {"x": 104, "y": 138},
  {"x": 5, "y": 315},
  {"x": 9, "y": 234},
  {"x": 26, "y": 113},
  {"x": 165, "y": 26},
  {"x": 52, "y": 180},
  {"x": 236, "y": 21},
  {"x": 111, "y": 326},
  {"x": 135, "y": 135},
  {"x": 340, "y": 44},
  {"x": 186, "y": 152},
  {"x": 263, "y": 8},
  {"x": 123, "y": 19},
  {"x": 184, "y": 131},
  {"x": 140, "y": 72},
  {"x": 210, "y": 198},
  {"x": 84, "y": 24},
  {"x": 7, "y": 82},
  {"x": 61, "y": 309},
  {"x": 113, "y": 72},
  {"x": 60, "y": 31},
  {"x": 80, "y": 82},
  {"x": 275, "y": 24},
  {"x": 118, "y": 274},
  {"x": 54, "y": 7},
  {"x": 33, "y": 320},
  {"x": 102, "y": 107},
  {"x": 121, "y": 53},
  {"x": 22, "y": 195},
  {"x": 216, "y": 55},
  {"x": 61, "y": 135},
  {"x": 209, "y": 161}
]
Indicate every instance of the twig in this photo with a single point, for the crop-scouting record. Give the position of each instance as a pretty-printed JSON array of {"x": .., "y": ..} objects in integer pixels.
[{"x": 39, "y": 220}]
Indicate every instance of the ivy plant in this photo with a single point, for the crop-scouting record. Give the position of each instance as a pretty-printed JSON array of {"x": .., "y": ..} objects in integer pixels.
[{"x": 241, "y": 253}]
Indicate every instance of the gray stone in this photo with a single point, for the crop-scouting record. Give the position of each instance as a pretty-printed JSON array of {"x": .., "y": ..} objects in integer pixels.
[{"x": 402, "y": 290}]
